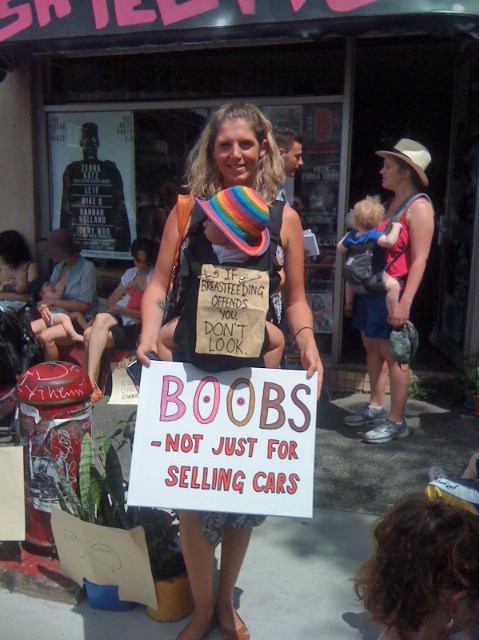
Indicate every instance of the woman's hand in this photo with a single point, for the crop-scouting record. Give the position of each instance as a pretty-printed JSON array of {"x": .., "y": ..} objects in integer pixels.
[
  {"x": 400, "y": 314},
  {"x": 141, "y": 353},
  {"x": 309, "y": 355}
]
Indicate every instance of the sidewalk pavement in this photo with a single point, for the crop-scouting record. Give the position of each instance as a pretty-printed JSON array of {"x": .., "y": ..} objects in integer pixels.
[
  {"x": 296, "y": 580},
  {"x": 294, "y": 585}
]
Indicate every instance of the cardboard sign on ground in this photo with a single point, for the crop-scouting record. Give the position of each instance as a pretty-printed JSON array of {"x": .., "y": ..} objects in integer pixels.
[
  {"x": 104, "y": 555},
  {"x": 123, "y": 391},
  {"x": 12, "y": 494}
]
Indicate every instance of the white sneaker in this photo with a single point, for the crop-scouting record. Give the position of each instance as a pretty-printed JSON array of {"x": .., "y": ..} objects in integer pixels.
[
  {"x": 435, "y": 473},
  {"x": 385, "y": 431}
]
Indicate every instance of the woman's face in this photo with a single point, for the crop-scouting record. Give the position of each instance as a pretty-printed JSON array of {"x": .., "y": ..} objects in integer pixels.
[
  {"x": 237, "y": 152},
  {"x": 392, "y": 175},
  {"x": 139, "y": 260}
]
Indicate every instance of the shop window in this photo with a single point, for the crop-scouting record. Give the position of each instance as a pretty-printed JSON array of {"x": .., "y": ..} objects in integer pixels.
[{"x": 274, "y": 70}]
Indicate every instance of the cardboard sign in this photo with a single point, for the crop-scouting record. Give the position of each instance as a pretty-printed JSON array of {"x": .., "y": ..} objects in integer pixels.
[
  {"x": 231, "y": 312},
  {"x": 123, "y": 391},
  {"x": 240, "y": 441},
  {"x": 12, "y": 494},
  {"x": 104, "y": 555}
]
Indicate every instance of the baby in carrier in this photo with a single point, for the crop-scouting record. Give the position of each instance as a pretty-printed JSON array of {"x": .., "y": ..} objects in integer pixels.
[
  {"x": 229, "y": 305},
  {"x": 358, "y": 245}
]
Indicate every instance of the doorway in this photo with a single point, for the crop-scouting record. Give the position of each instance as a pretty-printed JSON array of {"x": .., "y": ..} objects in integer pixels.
[{"x": 403, "y": 88}]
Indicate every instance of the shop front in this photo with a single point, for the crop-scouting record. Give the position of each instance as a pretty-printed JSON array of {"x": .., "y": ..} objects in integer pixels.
[{"x": 139, "y": 79}]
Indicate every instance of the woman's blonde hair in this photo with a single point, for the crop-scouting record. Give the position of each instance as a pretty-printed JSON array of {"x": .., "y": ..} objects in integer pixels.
[
  {"x": 367, "y": 213},
  {"x": 202, "y": 175}
]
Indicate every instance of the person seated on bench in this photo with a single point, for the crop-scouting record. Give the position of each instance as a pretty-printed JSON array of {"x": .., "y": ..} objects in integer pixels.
[
  {"x": 76, "y": 278},
  {"x": 56, "y": 316},
  {"x": 19, "y": 275},
  {"x": 119, "y": 327}
]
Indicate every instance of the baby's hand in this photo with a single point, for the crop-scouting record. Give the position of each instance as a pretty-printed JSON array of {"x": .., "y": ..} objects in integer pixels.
[{"x": 44, "y": 311}]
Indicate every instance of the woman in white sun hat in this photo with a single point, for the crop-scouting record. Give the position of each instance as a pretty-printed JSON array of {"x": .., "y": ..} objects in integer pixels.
[{"x": 402, "y": 173}]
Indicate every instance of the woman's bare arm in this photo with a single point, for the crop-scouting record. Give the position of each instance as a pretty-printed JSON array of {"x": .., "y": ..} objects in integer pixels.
[
  {"x": 154, "y": 298},
  {"x": 298, "y": 313}
]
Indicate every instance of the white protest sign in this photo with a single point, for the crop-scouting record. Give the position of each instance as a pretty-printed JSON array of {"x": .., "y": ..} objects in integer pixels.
[{"x": 238, "y": 441}]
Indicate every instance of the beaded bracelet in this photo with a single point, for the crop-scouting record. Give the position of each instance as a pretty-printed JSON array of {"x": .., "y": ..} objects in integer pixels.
[{"x": 299, "y": 331}]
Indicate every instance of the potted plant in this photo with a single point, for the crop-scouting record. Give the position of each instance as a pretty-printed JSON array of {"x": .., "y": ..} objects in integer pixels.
[
  {"x": 471, "y": 371},
  {"x": 167, "y": 565},
  {"x": 101, "y": 499}
]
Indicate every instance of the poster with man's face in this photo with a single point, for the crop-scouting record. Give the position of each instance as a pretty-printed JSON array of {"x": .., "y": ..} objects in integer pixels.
[{"x": 92, "y": 178}]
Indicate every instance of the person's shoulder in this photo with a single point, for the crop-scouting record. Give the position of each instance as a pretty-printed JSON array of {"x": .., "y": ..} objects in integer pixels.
[
  {"x": 290, "y": 219},
  {"x": 86, "y": 265},
  {"x": 74, "y": 165},
  {"x": 129, "y": 274},
  {"x": 109, "y": 164},
  {"x": 420, "y": 207}
]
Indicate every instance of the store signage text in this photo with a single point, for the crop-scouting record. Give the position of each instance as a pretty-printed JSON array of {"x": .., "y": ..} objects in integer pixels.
[{"x": 131, "y": 13}]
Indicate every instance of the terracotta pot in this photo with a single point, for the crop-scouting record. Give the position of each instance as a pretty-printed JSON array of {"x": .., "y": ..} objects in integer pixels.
[
  {"x": 475, "y": 402},
  {"x": 174, "y": 599}
]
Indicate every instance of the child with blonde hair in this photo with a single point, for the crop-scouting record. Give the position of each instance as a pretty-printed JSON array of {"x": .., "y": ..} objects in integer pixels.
[{"x": 358, "y": 245}]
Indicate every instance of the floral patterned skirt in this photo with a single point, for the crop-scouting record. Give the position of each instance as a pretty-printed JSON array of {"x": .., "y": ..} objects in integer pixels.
[{"x": 212, "y": 523}]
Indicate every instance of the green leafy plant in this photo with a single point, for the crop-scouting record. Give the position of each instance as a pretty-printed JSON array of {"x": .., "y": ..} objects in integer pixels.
[
  {"x": 100, "y": 497},
  {"x": 161, "y": 532},
  {"x": 445, "y": 391}
]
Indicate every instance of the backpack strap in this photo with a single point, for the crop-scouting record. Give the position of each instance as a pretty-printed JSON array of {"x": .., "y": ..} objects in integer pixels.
[
  {"x": 396, "y": 216},
  {"x": 275, "y": 220},
  {"x": 184, "y": 205},
  {"x": 405, "y": 204}
]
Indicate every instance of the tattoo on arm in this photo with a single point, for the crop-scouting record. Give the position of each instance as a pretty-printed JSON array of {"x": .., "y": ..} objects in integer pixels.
[{"x": 160, "y": 304}]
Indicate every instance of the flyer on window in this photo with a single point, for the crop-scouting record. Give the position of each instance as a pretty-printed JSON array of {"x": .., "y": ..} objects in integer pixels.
[{"x": 92, "y": 180}]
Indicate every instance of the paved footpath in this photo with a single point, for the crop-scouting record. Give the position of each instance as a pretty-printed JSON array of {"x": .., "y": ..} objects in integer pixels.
[{"x": 296, "y": 579}]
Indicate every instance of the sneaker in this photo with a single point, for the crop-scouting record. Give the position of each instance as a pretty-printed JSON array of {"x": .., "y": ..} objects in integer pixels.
[
  {"x": 386, "y": 430},
  {"x": 435, "y": 473},
  {"x": 365, "y": 416}
]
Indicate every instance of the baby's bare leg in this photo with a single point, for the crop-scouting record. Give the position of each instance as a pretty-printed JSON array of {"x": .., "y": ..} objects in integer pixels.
[
  {"x": 65, "y": 321},
  {"x": 78, "y": 317},
  {"x": 166, "y": 342},
  {"x": 272, "y": 357},
  {"x": 392, "y": 292},
  {"x": 348, "y": 301}
]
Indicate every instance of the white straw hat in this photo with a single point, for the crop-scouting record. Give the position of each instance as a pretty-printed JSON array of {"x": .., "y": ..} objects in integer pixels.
[{"x": 413, "y": 153}]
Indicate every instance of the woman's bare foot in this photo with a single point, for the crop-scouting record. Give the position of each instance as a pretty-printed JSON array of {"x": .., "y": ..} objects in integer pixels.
[
  {"x": 198, "y": 627},
  {"x": 230, "y": 622}
]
